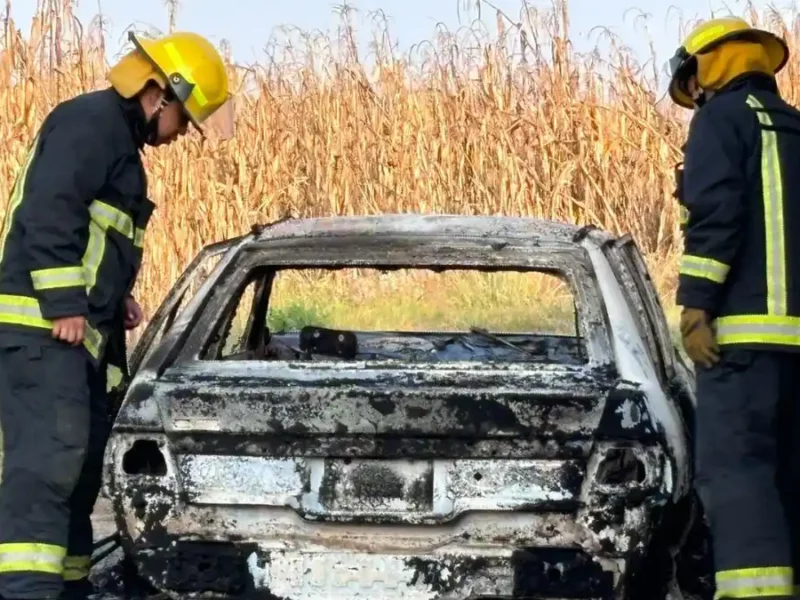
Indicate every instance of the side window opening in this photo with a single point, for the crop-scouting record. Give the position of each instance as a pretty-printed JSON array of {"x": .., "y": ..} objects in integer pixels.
[
  {"x": 142, "y": 345},
  {"x": 241, "y": 329},
  {"x": 647, "y": 306}
]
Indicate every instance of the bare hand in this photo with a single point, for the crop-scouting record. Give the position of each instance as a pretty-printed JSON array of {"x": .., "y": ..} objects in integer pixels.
[
  {"x": 70, "y": 329},
  {"x": 133, "y": 313}
]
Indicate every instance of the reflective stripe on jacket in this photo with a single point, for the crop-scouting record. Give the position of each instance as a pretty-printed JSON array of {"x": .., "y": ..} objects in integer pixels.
[
  {"x": 740, "y": 198},
  {"x": 72, "y": 237}
]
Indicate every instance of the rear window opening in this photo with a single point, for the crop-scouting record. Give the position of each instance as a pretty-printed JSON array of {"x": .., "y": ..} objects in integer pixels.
[{"x": 411, "y": 315}]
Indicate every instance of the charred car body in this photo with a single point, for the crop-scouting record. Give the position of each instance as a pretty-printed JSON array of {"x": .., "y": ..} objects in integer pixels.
[{"x": 407, "y": 465}]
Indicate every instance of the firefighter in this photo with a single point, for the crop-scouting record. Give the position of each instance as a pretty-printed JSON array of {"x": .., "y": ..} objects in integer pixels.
[
  {"x": 70, "y": 250},
  {"x": 739, "y": 192}
]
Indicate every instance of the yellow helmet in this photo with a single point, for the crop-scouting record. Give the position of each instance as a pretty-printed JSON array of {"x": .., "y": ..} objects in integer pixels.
[
  {"x": 186, "y": 62},
  {"x": 708, "y": 36}
]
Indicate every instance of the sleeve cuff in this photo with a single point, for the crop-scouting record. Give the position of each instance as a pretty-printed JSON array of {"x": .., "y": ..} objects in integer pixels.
[
  {"x": 697, "y": 293},
  {"x": 65, "y": 302}
]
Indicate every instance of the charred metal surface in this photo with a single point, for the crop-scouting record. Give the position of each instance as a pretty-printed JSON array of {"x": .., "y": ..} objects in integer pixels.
[
  {"x": 341, "y": 445},
  {"x": 429, "y": 466},
  {"x": 626, "y": 416},
  {"x": 559, "y": 573},
  {"x": 444, "y": 576},
  {"x": 564, "y": 405},
  {"x": 382, "y": 491}
]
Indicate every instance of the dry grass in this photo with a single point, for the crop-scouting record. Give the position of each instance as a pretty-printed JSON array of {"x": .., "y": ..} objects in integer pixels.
[{"x": 510, "y": 122}]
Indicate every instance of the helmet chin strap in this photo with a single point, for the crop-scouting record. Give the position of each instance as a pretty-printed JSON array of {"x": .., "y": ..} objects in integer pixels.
[
  {"x": 151, "y": 129},
  {"x": 701, "y": 99}
]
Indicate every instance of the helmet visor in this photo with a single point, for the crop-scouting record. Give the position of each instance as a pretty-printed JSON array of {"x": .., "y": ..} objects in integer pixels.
[
  {"x": 221, "y": 124},
  {"x": 679, "y": 68},
  {"x": 680, "y": 65}
]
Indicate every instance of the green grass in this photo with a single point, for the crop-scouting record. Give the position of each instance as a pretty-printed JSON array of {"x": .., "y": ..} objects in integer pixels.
[{"x": 419, "y": 300}]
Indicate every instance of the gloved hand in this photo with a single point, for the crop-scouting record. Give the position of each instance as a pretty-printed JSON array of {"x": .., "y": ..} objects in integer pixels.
[{"x": 698, "y": 338}]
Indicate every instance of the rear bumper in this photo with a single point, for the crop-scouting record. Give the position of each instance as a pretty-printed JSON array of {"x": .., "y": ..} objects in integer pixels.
[
  {"x": 303, "y": 529},
  {"x": 245, "y": 570},
  {"x": 237, "y": 552}
]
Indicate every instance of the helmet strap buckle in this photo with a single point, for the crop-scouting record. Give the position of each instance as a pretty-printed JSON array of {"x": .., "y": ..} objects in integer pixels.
[
  {"x": 181, "y": 88},
  {"x": 152, "y": 122}
]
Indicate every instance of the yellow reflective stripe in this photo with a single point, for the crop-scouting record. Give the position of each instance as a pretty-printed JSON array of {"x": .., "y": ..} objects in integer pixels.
[
  {"x": 105, "y": 217},
  {"x": 684, "y": 215},
  {"x": 758, "y": 329},
  {"x": 57, "y": 277},
  {"x": 755, "y": 583},
  {"x": 706, "y": 268},
  {"x": 704, "y": 37},
  {"x": 42, "y": 558},
  {"x": 138, "y": 238},
  {"x": 181, "y": 67},
  {"x": 114, "y": 377},
  {"x": 108, "y": 217},
  {"x": 95, "y": 249},
  {"x": 77, "y": 567},
  {"x": 21, "y": 310},
  {"x": 93, "y": 340},
  {"x": 16, "y": 197},
  {"x": 772, "y": 184}
]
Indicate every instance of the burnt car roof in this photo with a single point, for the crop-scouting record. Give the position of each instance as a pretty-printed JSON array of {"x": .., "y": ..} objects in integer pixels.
[{"x": 530, "y": 229}]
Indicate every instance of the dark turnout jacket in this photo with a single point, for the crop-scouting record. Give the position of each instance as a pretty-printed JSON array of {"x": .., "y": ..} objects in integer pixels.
[
  {"x": 73, "y": 233},
  {"x": 740, "y": 199}
]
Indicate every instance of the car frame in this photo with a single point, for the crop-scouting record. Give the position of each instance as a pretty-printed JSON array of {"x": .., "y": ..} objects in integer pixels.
[{"x": 586, "y": 534}]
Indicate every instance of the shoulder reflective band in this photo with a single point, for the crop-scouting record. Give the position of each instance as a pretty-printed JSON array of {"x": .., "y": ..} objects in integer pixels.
[
  {"x": 684, "y": 215},
  {"x": 77, "y": 567},
  {"x": 705, "y": 268},
  {"x": 24, "y": 311},
  {"x": 758, "y": 329},
  {"x": 772, "y": 184},
  {"x": 41, "y": 558},
  {"x": 755, "y": 583}
]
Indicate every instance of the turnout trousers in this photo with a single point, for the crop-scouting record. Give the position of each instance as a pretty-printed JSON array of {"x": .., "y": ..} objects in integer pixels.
[
  {"x": 55, "y": 425},
  {"x": 748, "y": 470}
]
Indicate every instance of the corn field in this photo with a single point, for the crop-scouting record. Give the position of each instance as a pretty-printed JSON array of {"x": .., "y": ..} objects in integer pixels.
[{"x": 510, "y": 121}]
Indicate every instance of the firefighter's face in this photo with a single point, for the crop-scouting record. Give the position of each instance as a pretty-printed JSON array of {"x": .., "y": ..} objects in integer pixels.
[
  {"x": 172, "y": 123},
  {"x": 695, "y": 91}
]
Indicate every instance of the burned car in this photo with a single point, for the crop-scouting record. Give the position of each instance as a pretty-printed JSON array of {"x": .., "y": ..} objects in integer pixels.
[{"x": 313, "y": 461}]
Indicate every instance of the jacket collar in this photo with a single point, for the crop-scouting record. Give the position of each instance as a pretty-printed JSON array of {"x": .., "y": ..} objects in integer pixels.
[
  {"x": 757, "y": 81},
  {"x": 135, "y": 117}
]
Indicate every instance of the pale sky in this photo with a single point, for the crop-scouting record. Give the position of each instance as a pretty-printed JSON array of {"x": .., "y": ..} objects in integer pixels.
[{"x": 248, "y": 24}]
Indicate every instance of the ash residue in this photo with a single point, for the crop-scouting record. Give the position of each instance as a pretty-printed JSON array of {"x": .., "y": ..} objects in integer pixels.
[
  {"x": 445, "y": 575},
  {"x": 376, "y": 481},
  {"x": 483, "y": 415},
  {"x": 420, "y": 492},
  {"x": 383, "y": 405}
]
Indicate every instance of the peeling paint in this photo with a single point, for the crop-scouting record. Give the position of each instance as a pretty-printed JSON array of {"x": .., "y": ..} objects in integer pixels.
[{"x": 424, "y": 468}]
